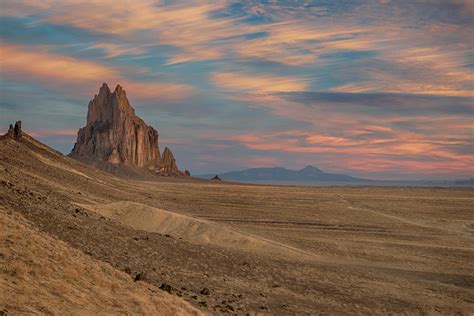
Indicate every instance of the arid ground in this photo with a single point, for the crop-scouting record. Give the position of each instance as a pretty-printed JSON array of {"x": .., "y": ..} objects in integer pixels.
[{"x": 227, "y": 247}]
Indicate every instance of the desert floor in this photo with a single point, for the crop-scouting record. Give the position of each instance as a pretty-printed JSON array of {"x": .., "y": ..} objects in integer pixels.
[{"x": 235, "y": 248}]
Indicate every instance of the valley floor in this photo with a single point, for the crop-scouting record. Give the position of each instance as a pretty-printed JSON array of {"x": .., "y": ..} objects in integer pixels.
[{"x": 235, "y": 248}]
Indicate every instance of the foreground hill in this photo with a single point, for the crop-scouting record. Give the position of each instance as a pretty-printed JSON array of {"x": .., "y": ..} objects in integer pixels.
[
  {"x": 44, "y": 275},
  {"x": 239, "y": 248}
]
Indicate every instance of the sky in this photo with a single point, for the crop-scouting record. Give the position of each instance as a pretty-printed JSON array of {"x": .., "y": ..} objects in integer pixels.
[{"x": 378, "y": 89}]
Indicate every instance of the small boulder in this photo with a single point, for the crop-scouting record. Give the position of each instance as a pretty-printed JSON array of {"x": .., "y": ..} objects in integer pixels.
[
  {"x": 138, "y": 276},
  {"x": 216, "y": 178},
  {"x": 205, "y": 291}
]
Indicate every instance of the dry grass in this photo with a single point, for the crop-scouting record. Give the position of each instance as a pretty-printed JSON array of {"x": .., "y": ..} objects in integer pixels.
[{"x": 42, "y": 275}]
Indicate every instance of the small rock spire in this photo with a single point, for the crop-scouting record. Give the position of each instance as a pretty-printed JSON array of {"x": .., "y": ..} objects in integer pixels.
[
  {"x": 17, "y": 130},
  {"x": 14, "y": 132}
]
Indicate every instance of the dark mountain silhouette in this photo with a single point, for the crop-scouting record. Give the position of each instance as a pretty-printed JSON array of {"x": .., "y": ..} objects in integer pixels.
[{"x": 308, "y": 174}]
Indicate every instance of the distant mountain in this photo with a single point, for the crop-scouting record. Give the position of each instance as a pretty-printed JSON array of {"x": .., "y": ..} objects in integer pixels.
[{"x": 308, "y": 174}]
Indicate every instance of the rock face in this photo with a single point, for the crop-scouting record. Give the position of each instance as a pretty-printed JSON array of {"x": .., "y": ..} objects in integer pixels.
[{"x": 115, "y": 136}]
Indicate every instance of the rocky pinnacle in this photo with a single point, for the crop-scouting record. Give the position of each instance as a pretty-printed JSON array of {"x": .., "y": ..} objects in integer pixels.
[{"x": 115, "y": 135}]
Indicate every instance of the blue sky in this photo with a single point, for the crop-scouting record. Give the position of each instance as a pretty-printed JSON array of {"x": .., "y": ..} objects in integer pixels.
[{"x": 380, "y": 89}]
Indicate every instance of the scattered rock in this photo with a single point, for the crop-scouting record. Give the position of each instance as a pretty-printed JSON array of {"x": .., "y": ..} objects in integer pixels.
[
  {"x": 205, "y": 291},
  {"x": 138, "y": 276},
  {"x": 167, "y": 288}
]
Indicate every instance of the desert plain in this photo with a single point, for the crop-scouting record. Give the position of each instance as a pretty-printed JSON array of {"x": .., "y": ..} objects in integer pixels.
[{"x": 225, "y": 247}]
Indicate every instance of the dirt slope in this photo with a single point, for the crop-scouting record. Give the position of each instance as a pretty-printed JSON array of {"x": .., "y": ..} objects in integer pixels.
[
  {"x": 143, "y": 217},
  {"x": 42, "y": 275},
  {"x": 376, "y": 250}
]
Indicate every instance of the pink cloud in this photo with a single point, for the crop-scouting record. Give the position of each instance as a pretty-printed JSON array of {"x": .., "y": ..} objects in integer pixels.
[
  {"x": 52, "y": 132},
  {"x": 78, "y": 76}
]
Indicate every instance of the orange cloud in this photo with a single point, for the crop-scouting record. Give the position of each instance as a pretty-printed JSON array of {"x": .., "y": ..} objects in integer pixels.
[
  {"x": 52, "y": 132},
  {"x": 82, "y": 76},
  {"x": 392, "y": 150},
  {"x": 296, "y": 40},
  {"x": 241, "y": 82},
  {"x": 46, "y": 66}
]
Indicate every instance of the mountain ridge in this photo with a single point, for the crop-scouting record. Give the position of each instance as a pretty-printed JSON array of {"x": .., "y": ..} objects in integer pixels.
[{"x": 280, "y": 174}]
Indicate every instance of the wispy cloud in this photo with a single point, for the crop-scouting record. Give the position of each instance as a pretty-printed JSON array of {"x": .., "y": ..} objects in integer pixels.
[
  {"x": 77, "y": 75},
  {"x": 257, "y": 83},
  {"x": 368, "y": 85}
]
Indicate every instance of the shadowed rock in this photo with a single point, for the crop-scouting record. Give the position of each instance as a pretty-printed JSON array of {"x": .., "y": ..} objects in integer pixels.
[
  {"x": 14, "y": 132},
  {"x": 17, "y": 130}
]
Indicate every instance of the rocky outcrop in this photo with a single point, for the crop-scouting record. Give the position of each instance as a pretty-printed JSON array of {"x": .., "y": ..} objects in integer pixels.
[
  {"x": 115, "y": 136},
  {"x": 168, "y": 163},
  {"x": 14, "y": 132}
]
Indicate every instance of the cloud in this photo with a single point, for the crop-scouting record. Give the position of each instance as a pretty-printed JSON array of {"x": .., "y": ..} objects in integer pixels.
[
  {"x": 297, "y": 35},
  {"x": 78, "y": 76},
  {"x": 410, "y": 133},
  {"x": 354, "y": 85},
  {"x": 21, "y": 61},
  {"x": 257, "y": 83},
  {"x": 52, "y": 132},
  {"x": 387, "y": 154}
]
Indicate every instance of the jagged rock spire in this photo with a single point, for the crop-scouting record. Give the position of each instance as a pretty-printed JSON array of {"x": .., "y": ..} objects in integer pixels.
[{"x": 115, "y": 135}]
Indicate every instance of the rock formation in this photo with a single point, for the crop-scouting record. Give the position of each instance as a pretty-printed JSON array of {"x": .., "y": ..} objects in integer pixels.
[
  {"x": 14, "y": 132},
  {"x": 115, "y": 136},
  {"x": 168, "y": 162}
]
